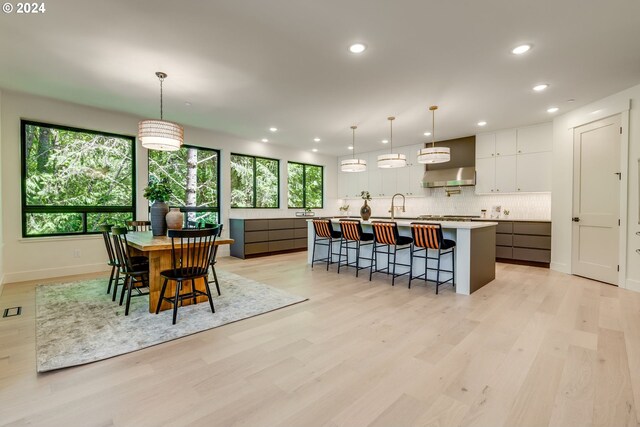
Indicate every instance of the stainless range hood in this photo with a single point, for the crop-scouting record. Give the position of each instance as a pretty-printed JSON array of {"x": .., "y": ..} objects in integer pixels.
[
  {"x": 460, "y": 171},
  {"x": 452, "y": 177}
]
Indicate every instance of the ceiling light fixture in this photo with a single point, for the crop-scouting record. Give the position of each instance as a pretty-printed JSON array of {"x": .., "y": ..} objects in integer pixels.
[
  {"x": 434, "y": 154},
  {"x": 357, "y": 48},
  {"x": 427, "y": 134},
  {"x": 552, "y": 109},
  {"x": 265, "y": 140},
  {"x": 392, "y": 160},
  {"x": 273, "y": 129},
  {"x": 316, "y": 139},
  {"x": 540, "y": 87},
  {"x": 353, "y": 164},
  {"x": 315, "y": 150},
  {"x": 519, "y": 50},
  {"x": 482, "y": 123},
  {"x": 160, "y": 134},
  {"x": 385, "y": 141}
]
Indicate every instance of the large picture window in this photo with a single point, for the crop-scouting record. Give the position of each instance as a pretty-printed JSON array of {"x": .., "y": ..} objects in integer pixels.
[
  {"x": 255, "y": 182},
  {"x": 193, "y": 176},
  {"x": 74, "y": 179},
  {"x": 305, "y": 185}
]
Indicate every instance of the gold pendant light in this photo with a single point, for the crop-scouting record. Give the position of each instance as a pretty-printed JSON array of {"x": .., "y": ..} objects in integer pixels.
[
  {"x": 160, "y": 134},
  {"x": 434, "y": 154},
  {"x": 392, "y": 160},
  {"x": 353, "y": 164}
]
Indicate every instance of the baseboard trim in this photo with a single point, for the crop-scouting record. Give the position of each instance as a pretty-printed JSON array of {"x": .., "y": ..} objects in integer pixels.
[
  {"x": 633, "y": 285},
  {"x": 561, "y": 267},
  {"x": 48, "y": 273}
]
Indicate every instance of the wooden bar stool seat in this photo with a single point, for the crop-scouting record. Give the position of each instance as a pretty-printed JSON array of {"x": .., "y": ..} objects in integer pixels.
[
  {"x": 428, "y": 236},
  {"x": 386, "y": 237},
  {"x": 324, "y": 235}
]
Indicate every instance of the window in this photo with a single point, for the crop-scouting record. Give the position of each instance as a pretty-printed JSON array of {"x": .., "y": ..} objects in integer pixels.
[
  {"x": 255, "y": 182},
  {"x": 73, "y": 180},
  {"x": 305, "y": 186},
  {"x": 193, "y": 176}
]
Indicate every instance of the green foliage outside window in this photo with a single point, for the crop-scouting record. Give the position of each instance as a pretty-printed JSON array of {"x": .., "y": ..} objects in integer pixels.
[
  {"x": 192, "y": 176},
  {"x": 255, "y": 182},
  {"x": 74, "y": 179},
  {"x": 305, "y": 183}
]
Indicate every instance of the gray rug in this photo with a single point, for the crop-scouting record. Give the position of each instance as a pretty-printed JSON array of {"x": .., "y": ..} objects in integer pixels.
[{"x": 77, "y": 323}]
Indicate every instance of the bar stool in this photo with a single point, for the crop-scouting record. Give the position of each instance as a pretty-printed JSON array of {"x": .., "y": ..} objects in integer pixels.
[
  {"x": 385, "y": 236},
  {"x": 352, "y": 233},
  {"x": 324, "y": 235},
  {"x": 429, "y": 236}
]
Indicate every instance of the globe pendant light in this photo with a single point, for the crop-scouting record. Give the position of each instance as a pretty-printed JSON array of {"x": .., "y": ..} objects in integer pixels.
[
  {"x": 160, "y": 134},
  {"x": 434, "y": 154},
  {"x": 353, "y": 164},
  {"x": 392, "y": 160}
]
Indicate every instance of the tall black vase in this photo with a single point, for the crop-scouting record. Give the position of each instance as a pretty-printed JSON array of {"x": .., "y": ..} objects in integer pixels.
[{"x": 159, "y": 211}]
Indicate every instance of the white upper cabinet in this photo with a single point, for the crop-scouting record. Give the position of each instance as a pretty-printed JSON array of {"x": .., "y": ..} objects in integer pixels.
[
  {"x": 506, "y": 142},
  {"x": 535, "y": 139},
  {"x": 485, "y": 145},
  {"x": 521, "y": 160}
]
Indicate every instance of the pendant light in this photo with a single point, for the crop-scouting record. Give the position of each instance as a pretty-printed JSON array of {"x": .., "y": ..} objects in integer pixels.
[
  {"x": 392, "y": 160},
  {"x": 353, "y": 164},
  {"x": 434, "y": 154},
  {"x": 160, "y": 134}
]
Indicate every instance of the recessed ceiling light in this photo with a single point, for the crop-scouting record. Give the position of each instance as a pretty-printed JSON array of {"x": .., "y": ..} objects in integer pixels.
[
  {"x": 482, "y": 123},
  {"x": 273, "y": 129},
  {"x": 265, "y": 140},
  {"x": 357, "y": 48},
  {"x": 519, "y": 50},
  {"x": 427, "y": 134},
  {"x": 385, "y": 141},
  {"x": 350, "y": 147},
  {"x": 315, "y": 150},
  {"x": 552, "y": 109},
  {"x": 316, "y": 139},
  {"x": 540, "y": 87}
]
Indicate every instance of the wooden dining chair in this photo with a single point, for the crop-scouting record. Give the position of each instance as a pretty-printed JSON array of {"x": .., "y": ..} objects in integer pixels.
[
  {"x": 136, "y": 275},
  {"x": 105, "y": 229},
  {"x": 191, "y": 255},
  {"x": 139, "y": 225}
]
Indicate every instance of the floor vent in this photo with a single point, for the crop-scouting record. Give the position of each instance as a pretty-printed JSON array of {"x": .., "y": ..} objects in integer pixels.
[{"x": 12, "y": 311}]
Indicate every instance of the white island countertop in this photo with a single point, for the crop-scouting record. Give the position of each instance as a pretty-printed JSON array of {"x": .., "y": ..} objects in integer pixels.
[{"x": 462, "y": 225}]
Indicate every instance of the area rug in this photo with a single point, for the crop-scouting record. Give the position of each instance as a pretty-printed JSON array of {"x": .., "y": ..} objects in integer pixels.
[{"x": 77, "y": 323}]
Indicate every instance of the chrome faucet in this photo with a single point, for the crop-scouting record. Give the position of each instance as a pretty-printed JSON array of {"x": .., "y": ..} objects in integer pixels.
[{"x": 392, "y": 210}]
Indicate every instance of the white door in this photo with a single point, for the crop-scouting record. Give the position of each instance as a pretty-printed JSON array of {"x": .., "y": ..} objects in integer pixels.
[{"x": 596, "y": 200}]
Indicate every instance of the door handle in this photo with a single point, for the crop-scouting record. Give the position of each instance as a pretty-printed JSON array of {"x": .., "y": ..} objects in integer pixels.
[{"x": 575, "y": 219}]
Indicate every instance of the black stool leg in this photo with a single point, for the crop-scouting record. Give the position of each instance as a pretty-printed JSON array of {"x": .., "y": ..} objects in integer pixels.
[
  {"x": 313, "y": 252},
  {"x": 374, "y": 260},
  {"x": 357, "y": 257},
  {"x": 453, "y": 264},
  {"x": 410, "y": 264},
  {"x": 340, "y": 255},
  {"x": 329, "y": 252},
  {"x": 164, "y": 287},
  {"x": 438, "y": 273},
  {"x": 393, "y": 275}
]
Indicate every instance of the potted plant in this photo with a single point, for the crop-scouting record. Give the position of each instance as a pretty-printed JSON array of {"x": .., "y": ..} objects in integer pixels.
[
  {"x": 158, "y": 192},
  {"x": 365, "y": 210}
]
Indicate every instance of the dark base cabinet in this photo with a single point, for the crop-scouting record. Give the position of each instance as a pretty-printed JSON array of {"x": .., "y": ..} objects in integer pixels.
[
  {"x": 523, "y": 242},
  {"x": 260, "y": 237}
]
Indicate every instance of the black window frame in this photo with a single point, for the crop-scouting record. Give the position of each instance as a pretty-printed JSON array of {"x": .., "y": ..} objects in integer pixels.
[
  {"x": 304, "y": 185},
  {"x": 197, "y": 209},
  {"x": 82, "y": 210},
  {"x": 255, "y": 198}
]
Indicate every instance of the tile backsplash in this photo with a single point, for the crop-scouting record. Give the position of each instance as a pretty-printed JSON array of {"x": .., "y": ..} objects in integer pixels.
[{"x": 520, "y": 206}]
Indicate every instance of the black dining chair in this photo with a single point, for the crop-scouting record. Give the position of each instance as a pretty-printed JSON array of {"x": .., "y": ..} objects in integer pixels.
[
  {"x": 136, "y": 275},
  {"x": 215, "y": 253},
  {"x": 191, "y": 255}
]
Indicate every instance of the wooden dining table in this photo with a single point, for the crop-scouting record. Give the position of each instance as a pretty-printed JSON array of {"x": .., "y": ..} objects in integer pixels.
[{"x": 158, "y": 250}]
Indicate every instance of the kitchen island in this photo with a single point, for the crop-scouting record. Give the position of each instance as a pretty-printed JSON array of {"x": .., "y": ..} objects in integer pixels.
[{"x": 475, "y": 263}]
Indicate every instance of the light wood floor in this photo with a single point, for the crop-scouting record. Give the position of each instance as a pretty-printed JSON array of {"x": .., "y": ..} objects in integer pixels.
[{"x": 534, "y": 348}]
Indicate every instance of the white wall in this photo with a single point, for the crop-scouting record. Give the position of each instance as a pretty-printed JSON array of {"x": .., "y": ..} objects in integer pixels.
[
  {"x": 1, "y": 234},
  {"x": 562, "y": 193},
  {"x": 36, "y": 258}
]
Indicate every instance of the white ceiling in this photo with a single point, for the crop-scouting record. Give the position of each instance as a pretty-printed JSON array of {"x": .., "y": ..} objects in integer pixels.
[{"x": 246, "y": 65}]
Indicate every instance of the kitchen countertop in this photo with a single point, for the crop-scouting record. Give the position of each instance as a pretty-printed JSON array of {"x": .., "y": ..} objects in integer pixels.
[
  {"x": 510, "y": 220},
  {"x": 406, "y": 222}
]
